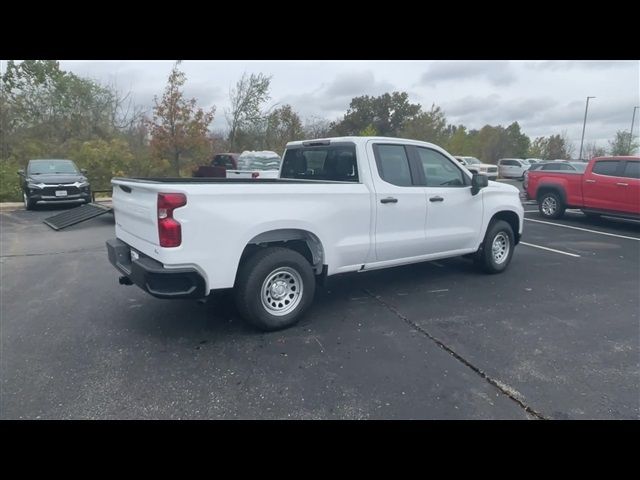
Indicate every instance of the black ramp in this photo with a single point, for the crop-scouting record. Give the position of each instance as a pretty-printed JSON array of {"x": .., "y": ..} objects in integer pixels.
[{"x": 76, "y": 215}]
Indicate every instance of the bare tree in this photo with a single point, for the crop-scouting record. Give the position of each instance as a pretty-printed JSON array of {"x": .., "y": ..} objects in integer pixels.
[
  {"x": 316, "y": 127},
  {"x": 246, "y": 99},
  {"x": 592, "y": 149},
  {"x": 569, "y": 147}
]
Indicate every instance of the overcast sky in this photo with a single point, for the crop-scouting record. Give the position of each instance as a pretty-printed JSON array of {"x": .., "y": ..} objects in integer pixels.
[{"x": 545, "y": 97}]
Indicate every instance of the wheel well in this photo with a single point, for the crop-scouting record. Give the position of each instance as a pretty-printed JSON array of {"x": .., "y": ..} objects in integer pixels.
[
  {"x": 550, "y": 188},
  {"x": 305, "y": 243},
  {"x": 512, "y": 219}
]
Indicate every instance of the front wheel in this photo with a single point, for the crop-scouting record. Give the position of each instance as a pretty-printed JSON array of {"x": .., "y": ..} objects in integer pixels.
[
  {"x": 497, "y": 247},
  {"x": 28, "y": 203},
  {"x": 274, "y": 288},
  {"x": 550, "y": 205}
]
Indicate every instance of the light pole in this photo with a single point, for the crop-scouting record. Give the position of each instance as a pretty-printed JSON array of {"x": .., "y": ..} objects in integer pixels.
[
  {"x": 584, "y": 124},
  {"x": 631, "y": 131}
]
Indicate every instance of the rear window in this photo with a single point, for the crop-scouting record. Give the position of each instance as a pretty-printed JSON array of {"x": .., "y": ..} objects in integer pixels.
[
  {"x": 632, "y": 170},
  {"x": 325, "y": 162},
  {"x": 606, "y": 167}
]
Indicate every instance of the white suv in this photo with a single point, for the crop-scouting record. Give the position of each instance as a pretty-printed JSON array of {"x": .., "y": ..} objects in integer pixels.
[
  {"x": 476, "y": 166},
  {"x": 512, "y": 168}
]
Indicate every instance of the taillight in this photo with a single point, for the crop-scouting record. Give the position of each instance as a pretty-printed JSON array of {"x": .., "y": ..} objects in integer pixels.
[{"x": 169, "y": 229}]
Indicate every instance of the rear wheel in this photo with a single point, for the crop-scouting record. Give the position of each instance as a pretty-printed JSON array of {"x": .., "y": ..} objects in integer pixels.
[
  {"x": 274, "y": 288},
  {"x": 497, "y": 247},
  {"x": 550, "y": 205}
]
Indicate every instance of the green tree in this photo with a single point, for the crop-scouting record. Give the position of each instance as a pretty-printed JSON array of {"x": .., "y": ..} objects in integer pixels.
[
  {"x": 103, "y": 160},
  {"x": 368, "y": 131},
  {"x": 517, "y": 143},
  {"x": 622, "y": 144},
  {"x": 247, "y": 98},
  {"x": 283, "y": 126},
  {"x": 387, "y": 113},
  {"x": 537, "y": 148},
  {"x": 556, "y": 148},
  {"x": 179, "y": 128},
  {"x": 428, "y": 126},
  {"x": 459, "y": 142}
]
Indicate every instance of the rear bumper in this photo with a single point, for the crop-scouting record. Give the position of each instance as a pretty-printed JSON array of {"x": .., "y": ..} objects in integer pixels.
[{"x": 152, "y": 276}]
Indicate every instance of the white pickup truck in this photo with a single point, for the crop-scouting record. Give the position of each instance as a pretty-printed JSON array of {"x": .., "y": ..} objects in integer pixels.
[{"x": 348, "y": 204}]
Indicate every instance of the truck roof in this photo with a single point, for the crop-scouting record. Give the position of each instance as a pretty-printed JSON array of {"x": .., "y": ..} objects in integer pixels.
[
  {"x": 619, "y": 157},
  {"x": 358, "y": 140}
]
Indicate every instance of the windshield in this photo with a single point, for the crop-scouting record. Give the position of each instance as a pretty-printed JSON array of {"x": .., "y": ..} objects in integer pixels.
[
  {"x": 259, "y": 161},
  {"x": 472, "y": 160},
  {"x": 37, "y": 167}
]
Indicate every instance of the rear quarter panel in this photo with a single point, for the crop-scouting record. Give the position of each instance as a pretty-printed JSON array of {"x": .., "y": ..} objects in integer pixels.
[{"x": 570, "y": 184}]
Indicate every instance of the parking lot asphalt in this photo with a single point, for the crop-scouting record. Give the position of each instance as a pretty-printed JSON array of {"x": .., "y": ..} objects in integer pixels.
[{"x": 556, "y": 336}]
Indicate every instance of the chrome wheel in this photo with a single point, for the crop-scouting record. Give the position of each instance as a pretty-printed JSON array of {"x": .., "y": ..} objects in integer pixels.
[
  {"x": 549, "y": 206},
  {"x": 281, "y": 291},
  {"x": 500, "y": 248}
]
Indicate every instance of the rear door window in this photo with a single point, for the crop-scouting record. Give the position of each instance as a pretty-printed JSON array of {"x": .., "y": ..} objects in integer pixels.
[
  {"x": 393, "y": 164},
  {"x": 632, "y": 170},
  {"x": 324, "y": 162},
  {"x": 606, "y": 167}
]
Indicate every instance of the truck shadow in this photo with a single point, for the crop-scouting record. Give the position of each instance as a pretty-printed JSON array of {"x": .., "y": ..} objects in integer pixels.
[{"x": 218, "y": 317}]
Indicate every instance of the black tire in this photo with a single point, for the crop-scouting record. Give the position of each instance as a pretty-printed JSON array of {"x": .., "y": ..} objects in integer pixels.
[
  {"x": 28, "y": 203},
  {"x": 550, "y": 205},
  {"x": 485, "y": 258},
  {"x": 257, "y": 270}
]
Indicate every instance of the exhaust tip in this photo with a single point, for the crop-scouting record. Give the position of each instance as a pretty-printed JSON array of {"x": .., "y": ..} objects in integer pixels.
[{"x": 125, "y": 281}]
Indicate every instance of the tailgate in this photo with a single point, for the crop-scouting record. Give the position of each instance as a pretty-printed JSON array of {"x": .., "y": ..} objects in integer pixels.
[{"x": 135, "y": 206}]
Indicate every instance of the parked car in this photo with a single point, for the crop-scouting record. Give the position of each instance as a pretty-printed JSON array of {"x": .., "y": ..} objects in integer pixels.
[
  {"x": 219, "y": 165},
  {"x": 475, "y": 165},
  {"x": 606, "y": 186},
  {"x": 533, "y": 161},
  {"x": 48, "y": 181},
  {"x": 347, "y": 204},
  {"x": 512, "y": 168},
  {"x": 554, "y": 166}
]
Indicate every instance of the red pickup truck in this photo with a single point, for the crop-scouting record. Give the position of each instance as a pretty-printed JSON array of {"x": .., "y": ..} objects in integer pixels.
[{"x": 609, "y": 186}]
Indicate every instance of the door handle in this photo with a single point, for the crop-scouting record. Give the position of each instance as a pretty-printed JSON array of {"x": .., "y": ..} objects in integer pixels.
[
  {"x": 436, "y": 199},
  {"x": 620, "y": 184},
  {"x": 590, "y": 181},
  {"x": 389, "y": 200}
]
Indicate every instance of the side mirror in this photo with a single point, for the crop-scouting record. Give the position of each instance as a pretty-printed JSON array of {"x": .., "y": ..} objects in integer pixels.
[
  {"x": 478, "y": 182},
  {"x": 21, "y": 172}
]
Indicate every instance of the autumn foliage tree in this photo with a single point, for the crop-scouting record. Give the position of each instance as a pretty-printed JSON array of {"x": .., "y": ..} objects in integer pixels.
[{"x": 179, "y": 128}]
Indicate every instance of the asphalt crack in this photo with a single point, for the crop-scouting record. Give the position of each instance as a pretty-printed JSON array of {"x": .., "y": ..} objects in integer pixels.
[
  {"x": 80, "y": 250},
  {"x": 501, "y": 386}
]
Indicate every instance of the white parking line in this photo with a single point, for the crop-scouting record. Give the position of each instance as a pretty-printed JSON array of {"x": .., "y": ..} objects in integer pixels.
[
  {"x": 550, "y": 249},
  {"x": 583, "y": 229}
]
